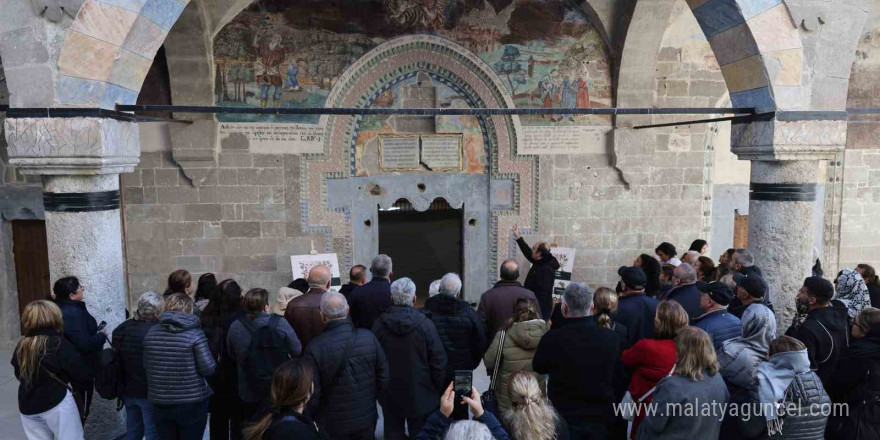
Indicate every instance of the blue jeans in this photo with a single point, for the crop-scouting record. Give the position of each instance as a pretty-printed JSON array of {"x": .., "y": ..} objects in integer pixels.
[
  {"x": 139, "y": 420},
  {"x": 185, "y": 421}
]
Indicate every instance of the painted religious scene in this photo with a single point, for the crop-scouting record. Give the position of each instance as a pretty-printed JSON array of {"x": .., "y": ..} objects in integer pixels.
[{"x": 290, "y": 54}]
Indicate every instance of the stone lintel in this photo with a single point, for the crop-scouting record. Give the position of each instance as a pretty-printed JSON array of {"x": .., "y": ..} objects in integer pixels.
[
  {"x": 786, "y": 140},
  {"x": 194, "y": 148},
  {"x": 75, "y": 146}
]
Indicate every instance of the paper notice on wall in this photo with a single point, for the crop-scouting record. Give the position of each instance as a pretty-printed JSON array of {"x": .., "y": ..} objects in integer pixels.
[
  {"x": 302, "y": 264},
  {"x": 565, "y": 139},
  {"x": 562, "y": 278},
  {"x": 276, "y": 138}
]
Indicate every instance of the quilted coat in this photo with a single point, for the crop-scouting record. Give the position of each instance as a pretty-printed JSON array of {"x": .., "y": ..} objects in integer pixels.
[
  {"x": 520, "y": 343},
  {"x": 177, "y": 360},
  {"x": 460, "y": 331}
]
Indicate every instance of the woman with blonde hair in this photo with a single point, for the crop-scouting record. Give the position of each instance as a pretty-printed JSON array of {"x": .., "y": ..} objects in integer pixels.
[
  {"x": 531, "y": 416},
  {"x": 46, "y": 365},
  {"x": 603, "y": 310},
  {"x": 650, "y": 360},
  {"x": 517, "y": 341},
  {"x": 681, "y": 398}
]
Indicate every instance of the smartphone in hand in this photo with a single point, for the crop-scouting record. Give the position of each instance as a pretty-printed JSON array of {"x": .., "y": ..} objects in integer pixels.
[
  {"x": 102, "y": 325},
  {"x": 463, "y": 383}
]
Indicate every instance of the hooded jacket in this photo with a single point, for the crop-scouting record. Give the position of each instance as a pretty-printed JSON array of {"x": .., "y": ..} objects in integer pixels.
[
  {"x": 857, "y": 382},
  {"x": 177, "y": 360},
  {"x": 460, "y": 331},
  {"x": 520, "y": 343},
  {"x": 825, "y": 332},
  {"x": 541, "y": 277},
  {"x": 739, "y": 357},
  {"x": 416, "y": 361}
]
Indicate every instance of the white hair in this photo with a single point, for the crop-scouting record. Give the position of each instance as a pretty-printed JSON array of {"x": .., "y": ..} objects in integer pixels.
[
  {"x": 686, "y": 273},
  {"x": 150, "y": 305},
  {"x": 578, "y": 297},
  {"x": 450, "y": 284},
  {"x": 334, "y": 305},
  {"x": 381, "y": 266},
  {"x": 434, "y": 288},
  {"x": 403, "y": 291},
  {"x": 745, "y": 258},
  {"x": 468, "y": 430}
]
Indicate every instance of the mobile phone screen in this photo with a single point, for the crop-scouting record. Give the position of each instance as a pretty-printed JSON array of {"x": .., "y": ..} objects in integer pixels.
[{"x": 463, "y": 382}]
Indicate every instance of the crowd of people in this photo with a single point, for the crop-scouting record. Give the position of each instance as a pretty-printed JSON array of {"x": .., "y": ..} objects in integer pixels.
[{"x": 639, "y": 360}]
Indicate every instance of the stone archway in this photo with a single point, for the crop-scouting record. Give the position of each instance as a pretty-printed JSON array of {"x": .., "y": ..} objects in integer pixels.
[{"x": 510, "y": 184}]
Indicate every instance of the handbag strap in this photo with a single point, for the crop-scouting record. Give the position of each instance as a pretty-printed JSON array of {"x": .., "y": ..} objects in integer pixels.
[
  {"x": 497, "y": 359},
  {"x": 57, "y": 379},
  {"x": 654, "y": 388}
]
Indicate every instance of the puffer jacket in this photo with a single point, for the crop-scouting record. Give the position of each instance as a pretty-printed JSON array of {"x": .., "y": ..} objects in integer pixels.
[
  {"x": 460, "y": 331},
  {"x": 720, "y": 325},
  {"x": 416, "y": 361},
  {"x": 351, "y": 407},
  {"x": 177, "y": 360},
  {"x": 128, "y": 341},
  {"x": 520, "y": 343},
  {"x": 805, "y": 403},
  {"x": 857, "y": 382}
]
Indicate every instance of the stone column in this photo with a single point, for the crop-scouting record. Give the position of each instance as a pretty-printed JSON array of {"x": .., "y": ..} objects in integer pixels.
[
  {"x": 785, "y": 150},
  {"x": 80, "y": 160}
]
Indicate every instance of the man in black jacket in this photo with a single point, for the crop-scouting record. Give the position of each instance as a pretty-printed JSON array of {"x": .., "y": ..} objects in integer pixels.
[
  {"x": 369, "y": 301},
  {"x": 128, "y": 342},
  {"x": 825, "y": 331},
  {"x": 357, "y": 276},
  {"x": 459, "y": 329},
  {"x": 582, "y": 360},
  {"x": 344, "y": 400},
  {"x": 416, "y": 361},
  {"x": 542, "y": 274}
]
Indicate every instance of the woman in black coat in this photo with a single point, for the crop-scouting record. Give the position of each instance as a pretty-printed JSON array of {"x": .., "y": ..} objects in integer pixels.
[
  {"x": 291, "y": 390},
  {"x": 857, "y": 379},
  {"x": 81, "y": 330},
  {"x": 45, "y": 363}
]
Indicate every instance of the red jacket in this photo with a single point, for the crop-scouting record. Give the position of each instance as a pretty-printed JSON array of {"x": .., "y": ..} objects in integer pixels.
[{"x": 649, "y": 360}]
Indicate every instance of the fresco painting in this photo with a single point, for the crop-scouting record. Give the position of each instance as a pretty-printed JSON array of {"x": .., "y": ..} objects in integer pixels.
[{"x": 289, "y": 54}]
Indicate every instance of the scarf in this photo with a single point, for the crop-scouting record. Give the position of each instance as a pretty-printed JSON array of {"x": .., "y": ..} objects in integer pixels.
[
  {"x": 285, "y": 295},
  {"x": 740, "y": 356},
  {"x": 774, "y": 377},
  {"x": 852, "y": 292}
]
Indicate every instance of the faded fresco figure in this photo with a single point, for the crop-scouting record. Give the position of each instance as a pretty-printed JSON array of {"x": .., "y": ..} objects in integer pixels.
[
  {"x": 268, "y": 67},
  {"x": 292, "y": 83}
]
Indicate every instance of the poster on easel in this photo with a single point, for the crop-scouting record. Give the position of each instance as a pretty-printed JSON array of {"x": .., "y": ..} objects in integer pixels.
[
  {"x": 562, "y": 277},
  {"x": 302, "y": 264}
]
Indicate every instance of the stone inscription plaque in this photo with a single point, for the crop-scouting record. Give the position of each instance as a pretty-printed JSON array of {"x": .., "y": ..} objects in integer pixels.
[
  {"x": 442, "y": 152},
  {"x": 571, "y": 139},
  {"x": 398, "y": 152},
  {"x": 278, "y": 138}
]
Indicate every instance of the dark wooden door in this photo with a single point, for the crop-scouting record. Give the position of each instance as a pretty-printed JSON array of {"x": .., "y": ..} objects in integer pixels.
[{"x": 31, "y": 261}]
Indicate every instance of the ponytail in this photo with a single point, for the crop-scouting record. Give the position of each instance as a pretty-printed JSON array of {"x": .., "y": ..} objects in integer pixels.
[
  {"x": 256, "y": 431},
  {"x": 604, "y": 319}
]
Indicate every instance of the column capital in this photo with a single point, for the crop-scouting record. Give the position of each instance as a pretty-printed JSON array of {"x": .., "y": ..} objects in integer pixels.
[
  {"x": 786, "y": 136},
  {"x": 72, "y": 146}
]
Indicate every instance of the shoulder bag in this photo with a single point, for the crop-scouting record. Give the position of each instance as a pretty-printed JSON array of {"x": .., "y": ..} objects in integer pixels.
[
  {"x": 78, "y": 397},
  {"x": 489, "y": 399}
]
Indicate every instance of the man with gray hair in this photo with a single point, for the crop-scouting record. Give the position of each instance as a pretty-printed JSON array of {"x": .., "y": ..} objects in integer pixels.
[
  {"x": 743, "y": 263},
  {"x": 582, "y": 360},
  {"x": 460, "y": 331},
  {"x": 304, "y": 312},
  {"x": 685, "y": 292},
  {"x": 369, "y": 301},
  {"x": 128, "y": 342},
  {"x": 351, "y": 372},
  {"x": 416, "y": 360}
]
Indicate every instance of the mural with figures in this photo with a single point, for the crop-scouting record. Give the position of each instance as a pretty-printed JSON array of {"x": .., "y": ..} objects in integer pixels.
[{"x": 289, "y": 54}]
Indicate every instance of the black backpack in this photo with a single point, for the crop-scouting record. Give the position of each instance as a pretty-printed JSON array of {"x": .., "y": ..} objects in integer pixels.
[
  {"x": 267, "y": 351},
  {"x": 108, "y": 382}
]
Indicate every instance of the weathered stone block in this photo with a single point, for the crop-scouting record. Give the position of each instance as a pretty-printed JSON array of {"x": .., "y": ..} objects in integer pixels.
[
  {"x": 201, "y": 212},
  {"x": 202, "y": 246},
  {"x": 241, "y": 229},
  {"x": 240, "y": 194},
  {"x": 145, "y": 37},
  {"x": 20, "y": 47},
  {"x": 184, "y": 230},
  {"x": 130, "y": 70},
  {"x": 745, "y": 74},
  {"x": 132, "y": 179},
  {"x": 733, "y": 44},
  {"x": 86, "y": 57},
  {"x": 30, "y": 86},
  {"x": 104, "y": 22},
  {"x": 252, "y": 263},
  {"x": 167, "y": 177},
  {"x": 233, "y": 160},
  {"x": 150, "y": 195},
  {"x": 708, "y": 88},
  {"x": 258, "y": 176},
  {"x": 178, "y": 194},
  {"x": 267, "y": 161},
  {"x": 676, "y": 88},
  {"x": 133, "y": 195}
]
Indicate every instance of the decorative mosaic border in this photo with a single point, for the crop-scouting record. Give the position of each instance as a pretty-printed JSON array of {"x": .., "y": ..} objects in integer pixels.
[{"x": 371, "y": 75}]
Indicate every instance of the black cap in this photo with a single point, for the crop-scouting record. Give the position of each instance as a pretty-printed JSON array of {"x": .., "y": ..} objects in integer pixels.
[
  {"x": 755, "y": 286},
  {"x": 633, "y": 276},
  {"x": 718, "y": 291}
]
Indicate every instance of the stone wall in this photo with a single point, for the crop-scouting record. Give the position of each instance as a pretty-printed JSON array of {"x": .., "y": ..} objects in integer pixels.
[
  {"x": 586, "y": 205},
  {"x": 243, "y": 221}
]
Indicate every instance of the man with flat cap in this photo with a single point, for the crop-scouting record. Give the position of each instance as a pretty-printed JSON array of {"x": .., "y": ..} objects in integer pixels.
[
  {"x": 716, "y": 320},
  {"x": 635, "y": 310},
  {"x": 750, "y": 289}
]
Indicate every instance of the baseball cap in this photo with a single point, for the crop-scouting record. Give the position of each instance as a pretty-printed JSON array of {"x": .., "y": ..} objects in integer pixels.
[
  {"x": 633, "y": 276},
  {"x": 718, "y": 291},
  {"x": 753, "y": 285}
]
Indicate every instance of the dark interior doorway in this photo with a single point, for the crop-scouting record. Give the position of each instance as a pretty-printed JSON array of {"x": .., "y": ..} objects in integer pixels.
[
  {"x": 423, "y": 245},
  {"x": 31, "y": 255}
]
